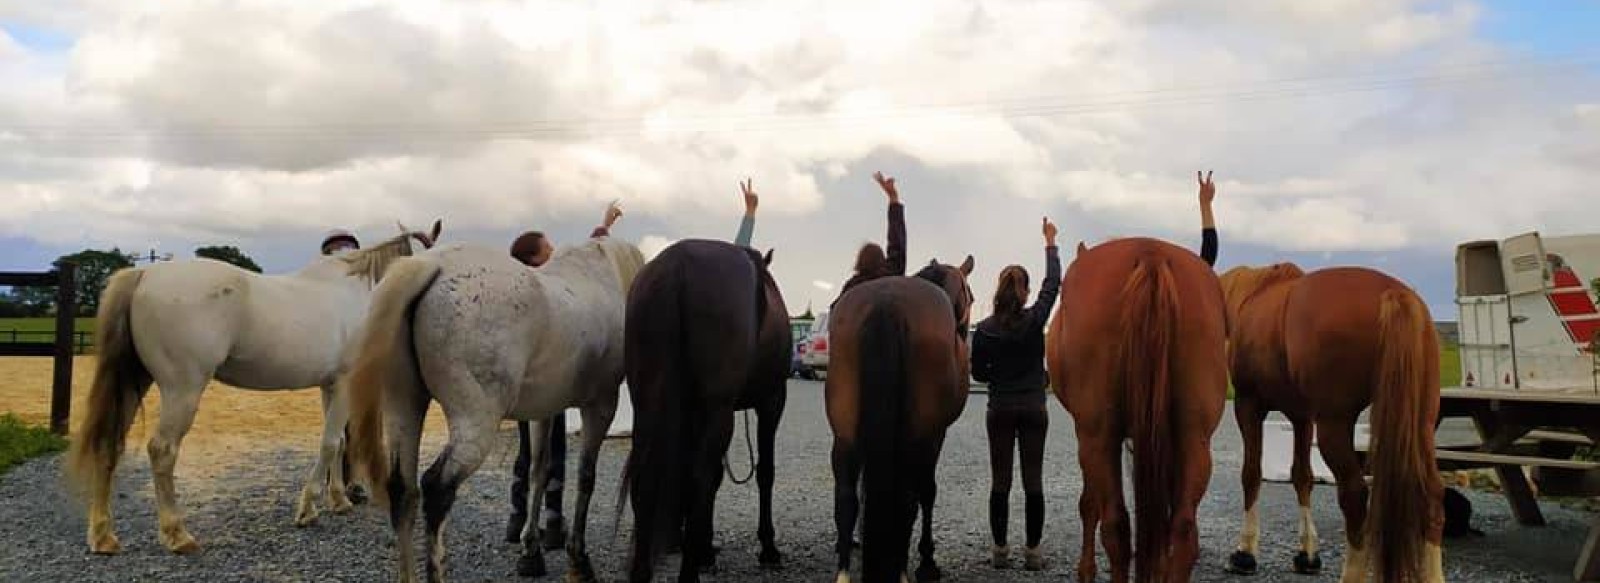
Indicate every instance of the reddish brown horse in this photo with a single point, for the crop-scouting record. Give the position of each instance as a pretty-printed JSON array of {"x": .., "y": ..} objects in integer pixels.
[
  {"x": 1321, "y": 348},
  {"x": 898, "y": 379},
  {"x": 1136, "y": 352}
]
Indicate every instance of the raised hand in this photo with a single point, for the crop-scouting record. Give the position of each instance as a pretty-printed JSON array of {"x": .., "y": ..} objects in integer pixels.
[
  {"x": 747, "y": 187},
  {"x": 887, "y": 184},
  {"x": 613, "y": 212},
  {"x": 1050, "y": 231},
  {"x": 1208, "y": 189}
]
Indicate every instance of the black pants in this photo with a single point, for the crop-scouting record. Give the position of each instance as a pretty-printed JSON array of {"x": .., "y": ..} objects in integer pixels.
[
  {"x": 557, "y": 467},
  {"x": 1010, "y": 427}
]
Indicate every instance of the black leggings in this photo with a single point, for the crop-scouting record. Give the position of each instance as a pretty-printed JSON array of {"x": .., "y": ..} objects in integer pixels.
[{"x": 1007, "y": 428}]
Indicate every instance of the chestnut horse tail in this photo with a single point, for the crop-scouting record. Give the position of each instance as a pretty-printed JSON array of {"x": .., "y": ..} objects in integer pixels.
[
  {"x": 1149, "y": 328},
  {"x": 882, "y": 442},
  {"x": 1406, "y": 488}
]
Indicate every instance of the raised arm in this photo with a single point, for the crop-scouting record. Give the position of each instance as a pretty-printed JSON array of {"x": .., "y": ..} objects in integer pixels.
[
  {"x": 747, "y": 225},
  {"x": 1208, "y": 224},
  {"x": 613, "y": 212},
  {"x": 896, "y": 252},
  {"x": 1050, "y": 286}
]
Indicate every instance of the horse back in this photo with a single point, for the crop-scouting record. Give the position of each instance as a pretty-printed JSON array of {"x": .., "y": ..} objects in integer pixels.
[
  {"x": 1332, "y": 334},
  {"x": 938, "y": 391}
]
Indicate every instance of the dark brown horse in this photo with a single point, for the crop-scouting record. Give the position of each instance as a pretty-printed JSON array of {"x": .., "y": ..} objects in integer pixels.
[
  {"x": 898, "y": 379},
  {"x": 1136, "y": 352},
  {"x": 1321, "y": 348},
  {"x": 707, "y": 334}
]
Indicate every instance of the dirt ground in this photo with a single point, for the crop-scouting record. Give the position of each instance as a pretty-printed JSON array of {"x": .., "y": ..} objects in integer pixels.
[{"x": 230, "y": 421}]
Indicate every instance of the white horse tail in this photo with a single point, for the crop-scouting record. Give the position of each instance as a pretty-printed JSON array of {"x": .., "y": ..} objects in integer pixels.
[
  {"x": 120, "y": 383},
  {"x": 385, "y": 363}
]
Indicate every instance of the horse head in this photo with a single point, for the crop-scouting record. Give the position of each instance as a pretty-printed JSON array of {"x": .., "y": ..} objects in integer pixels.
[
  {"x": 953, "y": 280},
  {"x": 1242, "y": 283}
]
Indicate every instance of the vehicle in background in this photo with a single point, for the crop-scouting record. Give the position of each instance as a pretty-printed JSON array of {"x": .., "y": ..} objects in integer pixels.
[{"x": 814, "y": 355}]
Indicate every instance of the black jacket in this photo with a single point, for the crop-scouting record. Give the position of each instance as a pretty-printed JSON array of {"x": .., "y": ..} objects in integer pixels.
[{"x": 1010, "y": 355}]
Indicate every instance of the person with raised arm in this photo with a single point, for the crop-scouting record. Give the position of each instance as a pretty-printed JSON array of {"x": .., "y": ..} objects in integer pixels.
[{"x": 872, "y": 262}]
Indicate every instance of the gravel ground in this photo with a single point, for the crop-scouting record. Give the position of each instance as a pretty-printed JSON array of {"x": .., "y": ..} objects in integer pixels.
[{"x": 243, "y": 520}]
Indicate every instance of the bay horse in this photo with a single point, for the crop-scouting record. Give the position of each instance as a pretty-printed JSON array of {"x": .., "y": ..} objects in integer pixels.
[
  {"x": 181, "y": 324},
  {"x": 489, "y": 339},
  {"x": 898, "y": 379},
  {"x": 1322, "y": 347},
  {"x": 1136, "y": 352},
  {"x": 707, "y": 334}
]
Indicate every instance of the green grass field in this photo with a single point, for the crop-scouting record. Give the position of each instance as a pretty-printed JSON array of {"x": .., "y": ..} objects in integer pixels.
[
  {"x": 20, "y": 441},
  {"x": 42, "y": 324}
]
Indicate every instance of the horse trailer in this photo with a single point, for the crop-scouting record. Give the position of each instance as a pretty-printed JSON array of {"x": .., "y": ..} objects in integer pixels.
[{"x": 1528, "y": 319}]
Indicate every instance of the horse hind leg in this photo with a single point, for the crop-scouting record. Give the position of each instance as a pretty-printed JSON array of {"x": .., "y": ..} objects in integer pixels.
[
  {"x": 1309, "y": 560},
  {"x": 468, "y": 446},
  {"x": 846, "y": 504},
  {"x": 596, "y": 421},
  {"x": 927, "y": 570},
  {"x": 1249, "y": 414},
  {"x": 1100, "y": 457},
  {"x": 179, "y": 403},
  {"x": 1338, "y": 450},
  {"x": 326, "y": 478},
  {"x": 403, "y": 433},
  {"x": 766, "y": 437}
]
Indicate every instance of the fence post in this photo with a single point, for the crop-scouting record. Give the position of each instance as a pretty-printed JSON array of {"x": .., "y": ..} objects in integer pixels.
[{"x": 66, "y": 326}]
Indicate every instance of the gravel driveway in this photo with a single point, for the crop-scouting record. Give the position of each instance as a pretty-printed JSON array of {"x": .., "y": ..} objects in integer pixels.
[{"x": 243, "y": 520}]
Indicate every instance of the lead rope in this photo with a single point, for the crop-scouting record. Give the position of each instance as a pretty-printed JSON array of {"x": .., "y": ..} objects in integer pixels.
[{"x": 748, "y": 448}]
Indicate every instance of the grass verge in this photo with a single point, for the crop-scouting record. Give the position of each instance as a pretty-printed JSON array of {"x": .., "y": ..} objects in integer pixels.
[{"x": 20, "y": 441}]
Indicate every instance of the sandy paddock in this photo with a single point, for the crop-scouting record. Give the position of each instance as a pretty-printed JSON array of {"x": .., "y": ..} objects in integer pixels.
[{"x": 231, "y": 421}]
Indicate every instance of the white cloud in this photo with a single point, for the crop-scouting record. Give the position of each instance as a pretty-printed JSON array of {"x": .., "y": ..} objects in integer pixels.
[
  {"x": 652, "y": 245},
  {"x": 248, "y": 119}
]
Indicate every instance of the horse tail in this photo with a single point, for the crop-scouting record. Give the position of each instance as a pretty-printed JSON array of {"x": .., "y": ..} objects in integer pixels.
[
  {"x": 385, "y": 363},
  {"x": 1406, "y": 489},
  {"x": 881, "y": 439},
  {"x": 1149, "y": 323},
  {"x": 120, "y": 384},
  {"x": 658, "y": 382}
]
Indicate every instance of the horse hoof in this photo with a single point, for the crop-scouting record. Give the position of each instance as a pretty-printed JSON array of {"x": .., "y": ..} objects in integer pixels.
[
  {"x": 770, "y": 559},
  {"x": 1307, "y": 565},
  {"x": 305, "y": 519},
  {"x": 105, "y": 545},
  {"x": 928, "y": 572},
  {"x": 181, "y": 544},
  {"x": 1242, "y": 563},
  {"x": 531, "y": 566},
  {"x": 340, "y": 504}
]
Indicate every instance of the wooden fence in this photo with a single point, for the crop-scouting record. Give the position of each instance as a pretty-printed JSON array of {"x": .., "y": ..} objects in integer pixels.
[{"x": 65, "y": 336}]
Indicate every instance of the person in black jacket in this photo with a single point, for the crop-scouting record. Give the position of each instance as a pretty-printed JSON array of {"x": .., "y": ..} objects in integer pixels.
[{"x": 1008, "y": 354}]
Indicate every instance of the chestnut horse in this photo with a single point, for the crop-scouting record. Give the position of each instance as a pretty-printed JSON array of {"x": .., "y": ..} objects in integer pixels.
[
  {"x": 898, "y": 379},
  {"x": 706, "y": 333},
  {"x": 1322, "y": 347},
  {"x": 1136, "y": 351}
]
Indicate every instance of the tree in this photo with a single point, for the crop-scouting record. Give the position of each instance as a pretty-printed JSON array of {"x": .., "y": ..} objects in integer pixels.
[
  {"x": 94, "y": 267},
  {"x": 228, "y": 254}
]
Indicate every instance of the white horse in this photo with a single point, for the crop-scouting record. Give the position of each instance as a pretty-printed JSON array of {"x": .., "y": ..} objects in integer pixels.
[
  {"x": 183, "y": 323},
  {"x": 489, "y": 339}
]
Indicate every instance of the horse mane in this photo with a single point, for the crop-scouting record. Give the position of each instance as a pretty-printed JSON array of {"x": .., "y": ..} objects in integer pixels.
[
  {"x": 625, "y": 257},
  {"x": 1242, "y": 283},
  {"x": 373, "y": 262},
  {"x": 939, "y": 276}
]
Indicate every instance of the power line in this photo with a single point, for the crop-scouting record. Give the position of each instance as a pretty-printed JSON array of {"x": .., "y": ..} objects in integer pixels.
[{"x": 1288, "y": 88}]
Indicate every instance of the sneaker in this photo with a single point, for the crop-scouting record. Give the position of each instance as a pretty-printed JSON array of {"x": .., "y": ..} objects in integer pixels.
[
  {"x": 554, "y": 534},
  {"x": 1000, "y": 557},
  {"x": 1033, "y": 559}
]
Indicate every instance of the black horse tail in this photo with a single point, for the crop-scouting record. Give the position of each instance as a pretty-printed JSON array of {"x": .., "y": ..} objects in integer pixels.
[
  {"x": 881, "y": 437},
  {"x": 658, "y": 373}
]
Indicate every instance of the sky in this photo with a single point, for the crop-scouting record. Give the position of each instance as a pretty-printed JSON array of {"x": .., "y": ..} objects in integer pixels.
[{"x": 1345, "y": 132}]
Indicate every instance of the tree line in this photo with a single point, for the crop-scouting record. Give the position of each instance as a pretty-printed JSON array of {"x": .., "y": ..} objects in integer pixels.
[{"x": 94, "y": 268}]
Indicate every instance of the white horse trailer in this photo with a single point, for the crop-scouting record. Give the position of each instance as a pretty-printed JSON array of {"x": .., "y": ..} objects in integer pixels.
[
  {"x": 1529, "y": 371},
  {"x": 1528, "y": 317}
]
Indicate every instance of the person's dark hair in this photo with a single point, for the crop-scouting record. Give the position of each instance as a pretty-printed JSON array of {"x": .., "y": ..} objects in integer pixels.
[
  {"x": 526, "y": 246},
  {"x": 871, "y": 261},
  {"x": 1008, "y": 297}
]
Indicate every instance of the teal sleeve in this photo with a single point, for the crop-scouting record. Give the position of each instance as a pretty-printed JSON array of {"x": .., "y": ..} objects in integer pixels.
[{"x": 747, "y": 227}]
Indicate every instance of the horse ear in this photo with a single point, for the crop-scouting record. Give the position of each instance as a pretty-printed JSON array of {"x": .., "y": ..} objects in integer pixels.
[
  {"x": 966, "y": 266},
  {"x": 1082, "y": 247},
  {"x": 437, "y": 225},
  {"x": 767, "y": 260}
]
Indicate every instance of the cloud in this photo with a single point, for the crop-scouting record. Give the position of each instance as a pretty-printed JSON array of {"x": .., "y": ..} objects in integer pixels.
[
  {"x": 652, "y": 245},
  {"x": 1338, "y": 127}
]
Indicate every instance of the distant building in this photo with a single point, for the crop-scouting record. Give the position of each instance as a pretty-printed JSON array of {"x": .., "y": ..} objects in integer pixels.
[{"x": 1449, "y": 332}]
